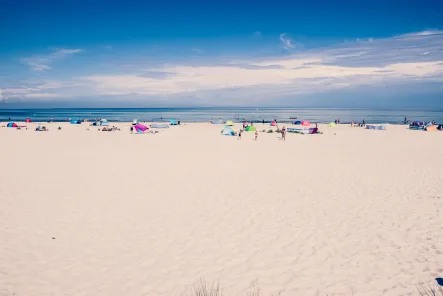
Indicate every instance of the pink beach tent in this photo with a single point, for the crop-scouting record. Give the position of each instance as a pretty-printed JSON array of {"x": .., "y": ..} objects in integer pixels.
[
  {"x": 140, "y": 127},
  {"x": 305, "y": 123},
  {"x": 12, "y": 124}
]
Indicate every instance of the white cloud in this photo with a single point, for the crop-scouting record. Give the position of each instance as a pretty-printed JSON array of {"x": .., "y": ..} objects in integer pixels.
[
  {"x": 38, "y": 63},
  {"x": 47, "y": 96},
  {"x": 286, "y": 42},
  {"x": 421, "y": 33},
  {"x": 42, "y": 63},
  {"x": 64, "y": 51},
  {"x": 188, "y": 79},
  {"x": 257, "y": 34}
]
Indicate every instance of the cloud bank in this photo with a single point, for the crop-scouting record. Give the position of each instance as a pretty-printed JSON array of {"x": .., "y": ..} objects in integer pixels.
[{"x": 410, "y": 59}]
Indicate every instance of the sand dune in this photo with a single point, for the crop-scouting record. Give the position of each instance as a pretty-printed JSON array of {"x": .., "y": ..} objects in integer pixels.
[{"x": 110, "y": 213}]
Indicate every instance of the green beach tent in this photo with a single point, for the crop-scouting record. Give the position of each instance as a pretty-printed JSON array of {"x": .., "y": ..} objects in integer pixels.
[
  {"x": 332, "y": 124},
  {"x": 250, "y": 129}
]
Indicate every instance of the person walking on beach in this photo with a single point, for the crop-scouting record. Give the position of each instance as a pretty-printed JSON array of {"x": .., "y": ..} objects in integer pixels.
[
  {"x": 239, "y": 134},
  {"x": 283, "y": 134},
  {"x": 256, "y": 135}
]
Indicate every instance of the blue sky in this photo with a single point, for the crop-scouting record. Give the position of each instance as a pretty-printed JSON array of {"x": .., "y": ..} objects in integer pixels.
[{"x": 227, "y": 53}]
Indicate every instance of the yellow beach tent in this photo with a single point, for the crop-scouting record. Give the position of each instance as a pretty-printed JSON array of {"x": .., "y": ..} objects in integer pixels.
[{"x": 229, "y": 122}]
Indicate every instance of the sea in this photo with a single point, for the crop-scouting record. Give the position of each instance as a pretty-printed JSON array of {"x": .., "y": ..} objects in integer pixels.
[{"x": 314, "y": 115}]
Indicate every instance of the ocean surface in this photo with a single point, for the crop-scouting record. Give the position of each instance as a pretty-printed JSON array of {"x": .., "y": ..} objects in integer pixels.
[{"x": 235, "y": 114}]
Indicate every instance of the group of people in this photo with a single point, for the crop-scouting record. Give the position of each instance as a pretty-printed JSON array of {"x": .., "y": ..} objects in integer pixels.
[
  {"x": 241, "y": 131},
  {"x": 109, "y": 129},
  {"x": 283, "y": 132},
  {"x": 362, "y": 124}
]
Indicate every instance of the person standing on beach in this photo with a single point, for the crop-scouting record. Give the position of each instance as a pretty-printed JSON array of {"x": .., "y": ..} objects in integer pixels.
[
  {"x": 283, "y": 134},
  {"x": 256, "y": 135},
  {"x": 239, "y": 134}
]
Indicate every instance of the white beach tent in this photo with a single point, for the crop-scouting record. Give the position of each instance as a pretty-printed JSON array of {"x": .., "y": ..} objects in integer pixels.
[{"x": 104, "y": 122}]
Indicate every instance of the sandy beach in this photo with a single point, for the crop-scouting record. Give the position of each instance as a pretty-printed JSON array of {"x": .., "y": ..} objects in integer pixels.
[{"x": 347, "y": 212}]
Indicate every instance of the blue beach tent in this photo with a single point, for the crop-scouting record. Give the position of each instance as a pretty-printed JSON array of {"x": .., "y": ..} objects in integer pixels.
[{"x": 228, "y": 131}]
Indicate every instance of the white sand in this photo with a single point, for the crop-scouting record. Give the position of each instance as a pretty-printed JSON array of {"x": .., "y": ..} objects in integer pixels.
[{"x": 357, "y": 212}]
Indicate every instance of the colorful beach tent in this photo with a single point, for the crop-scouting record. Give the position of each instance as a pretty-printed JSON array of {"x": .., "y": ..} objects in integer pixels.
[
  {"x": 273, "y": 123},
  {"x": 140, "y": 128},
  {"x": 250, "y": 128},
  {"x": 75, "y": 121},
  {"x": 305, "y": 123},
  {"x": 12, "y": 124},
  {"x": 228, "y": 131},
  {"x": 28, "y": 120},
  {"x": 104, "y": 122},
  {"x": 332, "y": 124},
  {"x": 135, "y": 122},
  {"x": 297, "y": 122},
  {"x": 304, "y": 131},
  {"x": 431, "y": 128},
  {"x": 229, "y": 123},
  {"x": 173, "y": 122}
]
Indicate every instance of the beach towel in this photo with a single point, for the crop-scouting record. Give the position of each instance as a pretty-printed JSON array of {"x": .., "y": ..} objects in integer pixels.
[
  {"x": 158, "y": 125},
  {"x": 376, "y": 127}
]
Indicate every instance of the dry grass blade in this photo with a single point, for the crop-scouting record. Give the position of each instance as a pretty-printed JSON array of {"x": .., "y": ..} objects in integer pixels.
[
  {"x": 429, "y": 290},
  {"x": 253, "y": 289},
  {"x": 202, "y": 289}
]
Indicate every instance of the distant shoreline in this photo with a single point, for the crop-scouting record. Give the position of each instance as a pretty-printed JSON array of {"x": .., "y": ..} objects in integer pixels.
[{"x": 256, "y": 115}]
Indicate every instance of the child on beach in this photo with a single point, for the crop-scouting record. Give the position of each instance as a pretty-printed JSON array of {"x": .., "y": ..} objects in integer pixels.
[
  {"x": 256, "y": 135},
  {"x": 239, "y": 134},
  {"x": 283, "y": 134}
]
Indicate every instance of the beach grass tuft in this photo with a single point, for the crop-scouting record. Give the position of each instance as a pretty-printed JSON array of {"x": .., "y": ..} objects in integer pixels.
[
  {"x": 428, "y": 290},
  {"x": 201, "y": 288}
]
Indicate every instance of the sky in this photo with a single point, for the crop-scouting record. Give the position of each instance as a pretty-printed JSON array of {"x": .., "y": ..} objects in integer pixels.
[{"x": 353, "y": 54}]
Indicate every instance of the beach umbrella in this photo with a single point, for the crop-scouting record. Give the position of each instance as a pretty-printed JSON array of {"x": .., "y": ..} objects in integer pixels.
[{"x": 229, "y": 123}]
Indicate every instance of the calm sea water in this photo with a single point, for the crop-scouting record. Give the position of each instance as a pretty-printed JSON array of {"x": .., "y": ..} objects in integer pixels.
[{"x": 236, "y": 114}]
